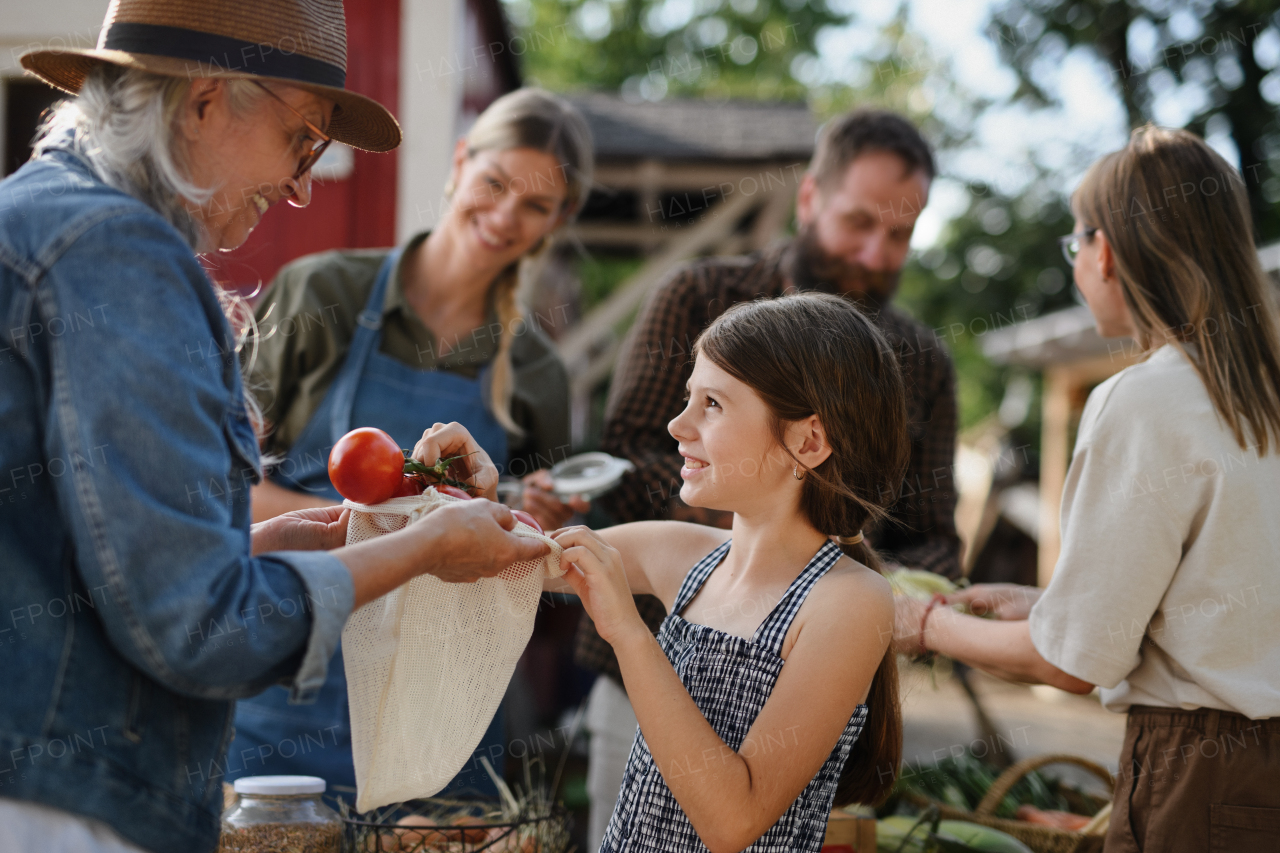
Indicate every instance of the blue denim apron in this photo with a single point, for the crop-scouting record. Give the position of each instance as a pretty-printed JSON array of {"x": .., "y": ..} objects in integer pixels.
[{"x": 371, "y": 389}]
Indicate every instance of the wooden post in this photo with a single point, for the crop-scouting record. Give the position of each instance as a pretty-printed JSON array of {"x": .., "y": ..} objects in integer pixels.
[
  {"x": 847, "y": 833},
  {"x": 650, "y": 198},
  {"x": 1054, "y": 457},
  {"x": 773, "y": 217},
  {"x": 1066, "y": 389}
]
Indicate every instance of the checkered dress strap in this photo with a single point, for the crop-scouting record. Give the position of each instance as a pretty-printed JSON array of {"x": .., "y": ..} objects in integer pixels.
[
  {"x": 698, "y": 575},
  {"x": 773, "y": 630}
]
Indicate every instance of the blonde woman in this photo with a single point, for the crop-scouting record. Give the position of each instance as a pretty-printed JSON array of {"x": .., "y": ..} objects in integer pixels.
[
  {"x": 429, "y": 332},
  {"x": 1164, "y": 593}
]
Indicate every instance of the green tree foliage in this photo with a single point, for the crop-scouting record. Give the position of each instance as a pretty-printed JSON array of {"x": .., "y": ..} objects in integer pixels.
[
  {"x": 997, "y": 264},
  {"x": 1220, "y": 55},
  {"x": 648, "y": 49}
]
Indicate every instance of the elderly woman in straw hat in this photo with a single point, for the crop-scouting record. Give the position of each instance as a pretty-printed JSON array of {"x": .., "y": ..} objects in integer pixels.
[{"x": 139, "y": 601}]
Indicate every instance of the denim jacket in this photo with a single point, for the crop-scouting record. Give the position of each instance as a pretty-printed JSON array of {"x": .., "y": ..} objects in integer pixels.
[{"x": 131, "y": 612}]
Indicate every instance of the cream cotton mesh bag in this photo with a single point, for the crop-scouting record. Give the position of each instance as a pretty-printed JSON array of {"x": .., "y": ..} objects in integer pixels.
[{"x": 428, "y": 663}]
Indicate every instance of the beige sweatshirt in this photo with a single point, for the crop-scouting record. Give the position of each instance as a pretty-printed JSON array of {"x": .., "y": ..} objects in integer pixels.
[{"x": 1166, "y": 589}]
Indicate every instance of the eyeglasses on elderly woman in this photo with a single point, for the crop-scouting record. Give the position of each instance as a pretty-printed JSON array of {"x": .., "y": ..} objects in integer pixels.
[
  {"x": 311, "y": 157},
  {"x": 1071, "y": 243}
]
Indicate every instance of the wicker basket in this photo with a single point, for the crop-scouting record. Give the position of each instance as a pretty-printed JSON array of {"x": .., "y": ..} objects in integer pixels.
[{"x": 1041, "y": 839}]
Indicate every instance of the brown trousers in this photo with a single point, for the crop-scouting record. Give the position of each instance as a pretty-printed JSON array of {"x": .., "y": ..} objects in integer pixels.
[{"x": 1200, "y": 781}]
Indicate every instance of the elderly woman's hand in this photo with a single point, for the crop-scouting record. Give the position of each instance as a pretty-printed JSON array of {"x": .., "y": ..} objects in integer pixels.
[
  {"x": 540, "y": 501},
  {"x": 470, "y": 540},
  {"x": 476, "y": 468},
  {"x": 460, "y": 542},
  {"x": 317, "y": 529}
]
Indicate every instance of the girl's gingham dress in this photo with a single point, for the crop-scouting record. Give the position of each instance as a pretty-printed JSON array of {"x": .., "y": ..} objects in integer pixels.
[{"x": 729, "y": 679}]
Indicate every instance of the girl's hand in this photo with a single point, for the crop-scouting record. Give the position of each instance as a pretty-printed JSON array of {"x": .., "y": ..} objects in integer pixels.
[
  {"x": 1003, "y": 600},
  {"x": 317, "y": 529},
  {"x": 595, "y": 571},
  {"x": 476, "y": 468},
  {"x": 539, "y": 500}
]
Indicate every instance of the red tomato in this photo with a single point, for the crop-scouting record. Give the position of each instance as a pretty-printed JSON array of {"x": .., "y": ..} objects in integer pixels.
[
  {"x": 366, "y": 466},
  {"x": 410, "y": 487},
  {"x": 521, "y": 515},
  {"x": 453, "y": 491}
]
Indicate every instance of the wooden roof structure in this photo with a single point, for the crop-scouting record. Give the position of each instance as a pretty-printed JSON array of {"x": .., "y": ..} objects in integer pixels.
[
  {"x": 687, "y": 129},
  {"x": 663, "y": 166}
]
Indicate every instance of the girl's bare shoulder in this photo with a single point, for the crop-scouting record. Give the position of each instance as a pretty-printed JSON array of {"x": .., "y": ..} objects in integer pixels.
[
  {"x": 849, "y": 608},
  {"x": 851, "y": 587}
]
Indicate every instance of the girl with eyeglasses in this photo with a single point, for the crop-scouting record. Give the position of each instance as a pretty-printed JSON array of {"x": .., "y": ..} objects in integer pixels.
[{"x": 1163, "y": 594}]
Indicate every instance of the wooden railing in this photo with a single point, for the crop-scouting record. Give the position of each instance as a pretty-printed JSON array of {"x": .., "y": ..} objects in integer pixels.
[{"x": 591, "y": 347}]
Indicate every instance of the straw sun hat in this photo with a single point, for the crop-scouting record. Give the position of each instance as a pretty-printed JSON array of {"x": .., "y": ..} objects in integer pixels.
[{"x": 299, "y": 42}]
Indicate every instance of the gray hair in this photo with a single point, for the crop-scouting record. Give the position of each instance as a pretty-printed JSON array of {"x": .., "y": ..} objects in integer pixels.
[{"x": 126, "y": 124}]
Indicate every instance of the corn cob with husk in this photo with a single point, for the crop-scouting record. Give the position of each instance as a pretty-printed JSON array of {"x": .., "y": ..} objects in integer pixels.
[{"x": 922, "y": 586}]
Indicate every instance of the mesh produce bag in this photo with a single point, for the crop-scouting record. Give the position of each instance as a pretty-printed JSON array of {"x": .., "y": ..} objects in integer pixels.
[{"x": 428, "y": 663}]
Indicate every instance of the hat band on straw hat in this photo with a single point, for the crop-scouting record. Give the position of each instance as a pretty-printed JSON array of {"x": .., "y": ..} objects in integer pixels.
[
  {"x": 223, "y": 52},
  {"x": 302, "y": 43}
]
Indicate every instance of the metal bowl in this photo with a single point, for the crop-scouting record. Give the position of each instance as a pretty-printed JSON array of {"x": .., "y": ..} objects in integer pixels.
[{"x": 588, "y": 475}]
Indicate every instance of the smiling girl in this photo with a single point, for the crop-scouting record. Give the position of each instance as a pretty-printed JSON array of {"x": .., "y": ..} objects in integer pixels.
[{"x": 769, "y": 692}]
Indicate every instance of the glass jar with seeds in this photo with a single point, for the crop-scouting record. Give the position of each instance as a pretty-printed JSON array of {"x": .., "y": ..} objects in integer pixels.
[{"x": 276, "y": 813}]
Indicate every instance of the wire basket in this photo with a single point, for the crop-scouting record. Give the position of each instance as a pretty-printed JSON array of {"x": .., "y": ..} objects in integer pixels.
[
  {"x": 526, "y": 819},
  {"x": 457, "y": 826}
]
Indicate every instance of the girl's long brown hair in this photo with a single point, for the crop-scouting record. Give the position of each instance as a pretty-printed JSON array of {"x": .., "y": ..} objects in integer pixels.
[
  {"x": 808, "y": 354},
  {"x": 1177, "y": 218}
]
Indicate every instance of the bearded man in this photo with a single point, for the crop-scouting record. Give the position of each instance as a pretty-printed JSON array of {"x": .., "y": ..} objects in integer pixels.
[{"x": 856, "y": 208}]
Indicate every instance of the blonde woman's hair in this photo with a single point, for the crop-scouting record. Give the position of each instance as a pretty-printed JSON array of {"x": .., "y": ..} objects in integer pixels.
[
  {"x": 530, "y": 118},
  {"x": 1177, "y": 218}
]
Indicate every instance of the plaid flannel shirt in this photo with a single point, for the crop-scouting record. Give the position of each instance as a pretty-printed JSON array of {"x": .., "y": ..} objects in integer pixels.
[{"x": 648, "y": 391}]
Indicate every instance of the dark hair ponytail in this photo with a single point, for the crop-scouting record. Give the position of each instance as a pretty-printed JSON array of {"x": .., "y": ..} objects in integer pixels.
[{"x": 808, "y": 354}]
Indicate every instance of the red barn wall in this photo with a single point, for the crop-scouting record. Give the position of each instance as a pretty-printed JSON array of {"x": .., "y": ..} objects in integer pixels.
[{"x": 358, "y": 211}]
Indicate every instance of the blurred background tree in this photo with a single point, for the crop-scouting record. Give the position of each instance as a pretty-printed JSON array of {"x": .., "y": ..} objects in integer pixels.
[
  {"x": 1207, "y": 66},
  {"x": 651, "y": 50}
]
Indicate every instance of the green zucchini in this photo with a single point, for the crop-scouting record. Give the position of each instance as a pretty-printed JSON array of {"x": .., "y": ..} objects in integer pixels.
[
  {"x": 962, "y": 782},
  {"x": 894, "y": 835},
  {"x": 979, "y": 837},
  {"x": 927, "y": 834}
]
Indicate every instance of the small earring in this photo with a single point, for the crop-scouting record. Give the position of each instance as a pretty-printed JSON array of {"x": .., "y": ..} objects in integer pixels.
[{"x": 796, "y": 475}]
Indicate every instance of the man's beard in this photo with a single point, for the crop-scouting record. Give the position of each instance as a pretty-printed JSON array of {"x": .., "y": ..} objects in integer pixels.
[{"x": 813, "y": 269}]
